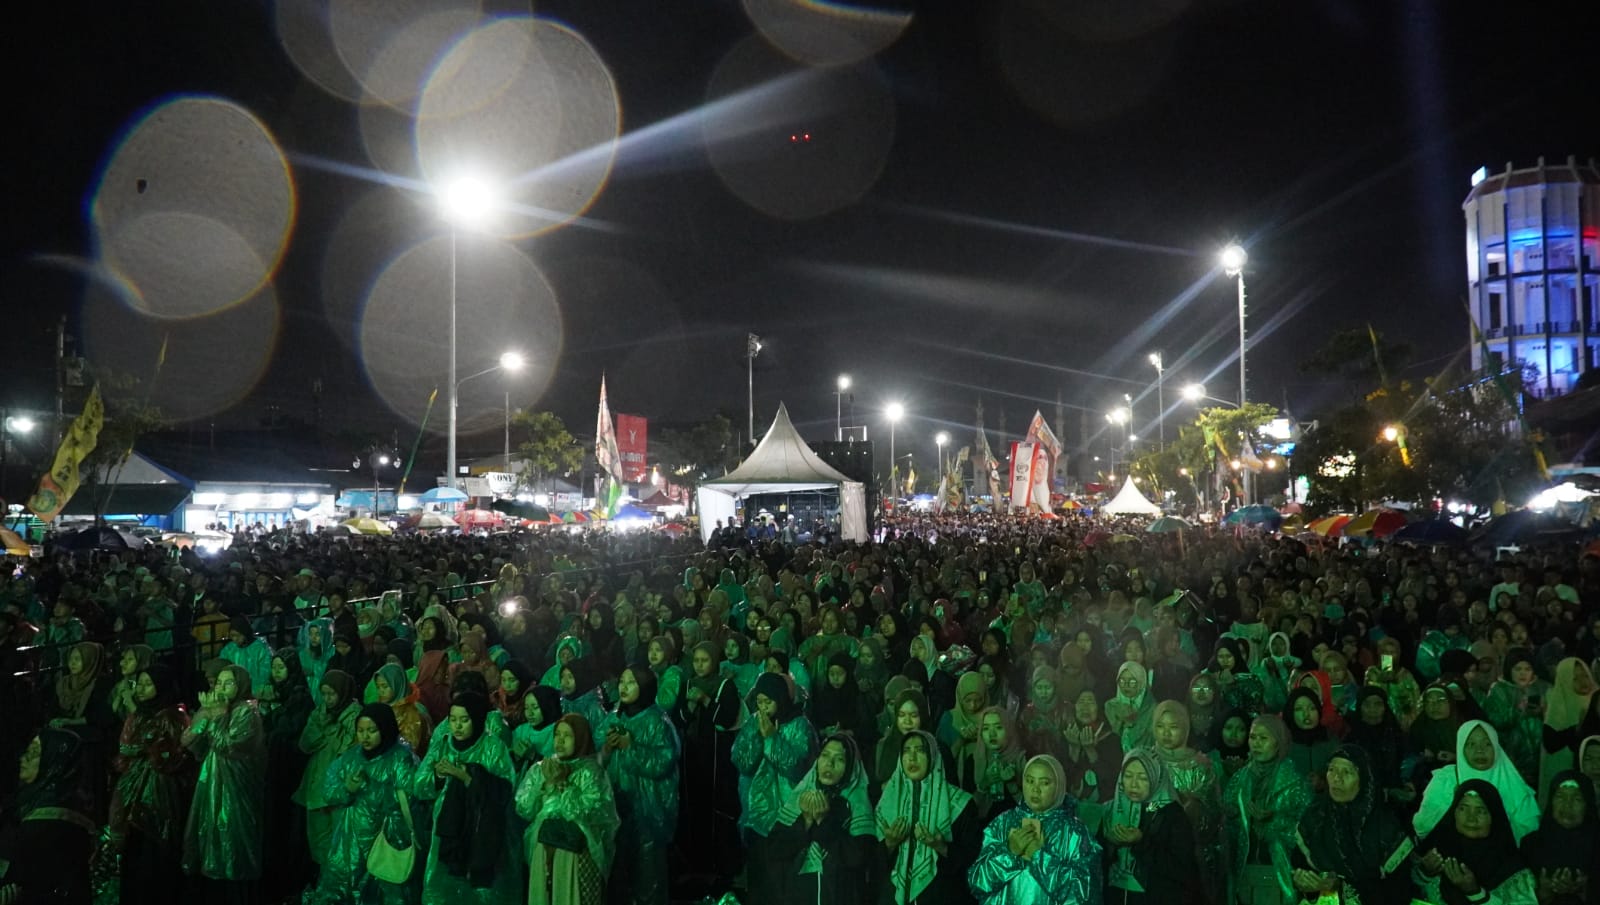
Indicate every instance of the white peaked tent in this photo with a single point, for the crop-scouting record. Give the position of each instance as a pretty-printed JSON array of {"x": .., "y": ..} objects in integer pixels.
[
  {"x": 780, "y": 463},
  {"x": 1129, "y": 501}
]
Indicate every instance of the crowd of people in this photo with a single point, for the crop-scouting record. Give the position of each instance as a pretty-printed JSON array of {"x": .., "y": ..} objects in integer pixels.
[{"x": 971, "y": 708}]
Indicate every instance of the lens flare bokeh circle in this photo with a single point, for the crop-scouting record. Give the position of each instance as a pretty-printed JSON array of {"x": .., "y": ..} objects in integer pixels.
[
  {"x": 814, "y": 140},
  {"x": 503, "y": 304},
  {"x": 826, "y": 33},
  {"x": 528, "y": 106},
  {"x": 194, "y": 208}
]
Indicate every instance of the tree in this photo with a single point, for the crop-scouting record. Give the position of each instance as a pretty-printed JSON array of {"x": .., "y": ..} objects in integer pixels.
[
  {"x": 699, "y": 453},
  {"x": 1203, "y": 449},
  {"x": 545, "y": 448},
  {"x": 128, "y": 416},
  {"x": 1455, "y": 437},
  {"x": 1358, "y": 356}
]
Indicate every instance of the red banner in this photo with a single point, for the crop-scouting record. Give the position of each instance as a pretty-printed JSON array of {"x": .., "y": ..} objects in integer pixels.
[{"x": 632, "y": 443}]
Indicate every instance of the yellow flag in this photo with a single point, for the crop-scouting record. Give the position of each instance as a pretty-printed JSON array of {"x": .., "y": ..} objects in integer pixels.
[{"x": 58, "y": 485}]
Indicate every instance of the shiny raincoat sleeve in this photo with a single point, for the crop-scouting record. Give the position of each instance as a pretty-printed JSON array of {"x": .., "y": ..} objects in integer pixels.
[
  {"x": 223, "y": 839},
  {"x": 647, "y": 772},
  {"x": 772, "y": 766},
  {"x": 324, "y": 738},
  {"x": 363, "y": 814},
  {"x": 586, "y": 800},
  {"x": 1065, "y": 872}
]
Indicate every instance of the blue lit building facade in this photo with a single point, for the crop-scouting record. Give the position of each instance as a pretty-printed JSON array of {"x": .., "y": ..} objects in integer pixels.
[{"x": 1533, "y": 270}]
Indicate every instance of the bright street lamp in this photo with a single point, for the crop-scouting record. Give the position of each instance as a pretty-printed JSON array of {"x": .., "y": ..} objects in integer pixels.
[
  {"x": 1161, "y": 399},
  {"x": 1391, "y": 433},
  {"x": 1195, "y": 392},
  {"x": 939, "y": 440},
  {"x": 510, "y": 362},
  {"x": 1233, "y": 261},
  {"x": 894, "y": 413},
  {"x": 843, "y": 384},
  {"x": 464, "y": 203}
]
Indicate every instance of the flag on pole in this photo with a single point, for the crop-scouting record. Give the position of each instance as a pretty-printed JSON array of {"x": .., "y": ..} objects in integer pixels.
[
  {"x": 985, "y": 467},
  {"x": 607, "y": 454},
  {"x": 58, "y": 484}
]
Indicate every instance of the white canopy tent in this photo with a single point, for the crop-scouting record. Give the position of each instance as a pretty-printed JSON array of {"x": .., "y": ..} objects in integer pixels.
[
  {"x": 1129, "y": 501},
  {"x": 782, "y": 463}
]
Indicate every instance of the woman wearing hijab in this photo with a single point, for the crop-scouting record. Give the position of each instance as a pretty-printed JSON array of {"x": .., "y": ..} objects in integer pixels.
[
  {"x": 1433, "y": 732},
  {"x": 1148, "y": 839},
  {"x": 708, "y": 813},
  {"x": 467, "y": 774},
  {"x": 1478, "y": 755},
  {"x": 1310, "y": 744},
  {"x": 222, "y": 841},
  {"x": 314, "y": 648},
  {"x": 401, "y": 696},
  {"x": 328, "y": 732},
  {"x": 958, "y": 728},
  {"x": 534, "y": 740},
  {"x": 1039, "y": 852},
  {"x": 930, "y": 827},
  {"x": 1513, "y": 706},
  {"x": 1376, "y": 731},
  {"x": 1318, "y": 682},
  {"x": 661, "y": 654},
  {"x": 910, "y": 714},
  {"x": 135, "y": 660},
  {"x": 1131, "y": 712},
  {"x": 1194, "y": 782},
  {"x": 150, "y": 803},
  {"x": 836, "y": 705},
  {"x": 1275, "y": 669},
  {"x": 572, "y": 819},
  {"x": 474, "y": 649},
  {"x": 1472, "y": 856},
  {"x": 1205, "y": 713},
  {"x": 367, "y": 787},
  {"x": 771, "y": 753},
  {"x": 83, "y": 696},
  {"x": 433, "y": 669},
  {"x": 605, "y": 644},
  {"x": 581, "y": 694},
  {"x": 1094, "y": 751},
  {"x": 1041, "y": 719},
  {"x": 822, "y": 845},
  {"x": 47, "y": 834},
  {"x": 247, "y": 650},
  {"x": 1241, "y": 689},
  {"x": 641, "y": 757},
  {"x": 515, "y": 679},
  {"x": 1233, "y": 744},
  {"x": 1349, "y": 846},
  {"x": 1570, "y": 694},
  {"x": 996, "y": 765},
  {"x": 283, "y": 816},
  {"x": 1564, "y": 852},
  {"x": 1261, "y": 808},
  {"x": 736, "y": 664}
]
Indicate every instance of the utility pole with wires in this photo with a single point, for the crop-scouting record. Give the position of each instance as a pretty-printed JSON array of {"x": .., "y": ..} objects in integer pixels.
[{"x": 752, "y": 348}]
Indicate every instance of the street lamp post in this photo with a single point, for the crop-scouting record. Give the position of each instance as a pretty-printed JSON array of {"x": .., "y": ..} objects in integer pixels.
[
  {"x": 838, "y": 407},
  {"x": 510, "y": 362},
  {"x": 939, "y": 440},
  {"x": 752, "y": 348},
  {"x": 20, "y": 424},
  {"x": 1233, "y": 261},
  {"x": 1161, "y": 400},
  {"x": 894, "y": 413},
  {"x": 1120, "y": 416},
  {"x": 464, "y": 203}
]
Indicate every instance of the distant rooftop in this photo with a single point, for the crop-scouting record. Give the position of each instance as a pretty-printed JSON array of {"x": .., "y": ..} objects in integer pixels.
[{"x": 1539, "y": 174}]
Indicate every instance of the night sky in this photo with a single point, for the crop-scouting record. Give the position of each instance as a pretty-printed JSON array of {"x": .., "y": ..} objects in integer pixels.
[{"x": 1018, "y": 202}]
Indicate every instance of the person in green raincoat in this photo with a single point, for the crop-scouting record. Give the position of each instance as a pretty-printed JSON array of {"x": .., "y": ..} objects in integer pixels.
[
  {"x": 568, "y": 648},
  {"x": 363, "y": 786},
  {"x": 329, "y": 730},
  {"x": 222, "y": 841},
  {"x": 468, "y": 775},
  {"x": 641, "y": 757}
]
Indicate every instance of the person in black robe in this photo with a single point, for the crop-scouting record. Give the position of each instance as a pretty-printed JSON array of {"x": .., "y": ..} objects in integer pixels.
[
  {"x": 708, "y": 808},
  {"x": 46, "y": 834}
]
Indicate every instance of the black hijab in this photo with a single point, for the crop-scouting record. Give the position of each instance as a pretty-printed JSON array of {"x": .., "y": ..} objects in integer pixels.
[
  {"x": 1240, "y": 751},
  {"x": 837, "y": 706},
  {"x": 60, "y": 780},
  {"x": 645, "y": 678},
  {"x": 166, "y": 690},
  {"x": 585, "y": 676},
  {"x": 1308, "y": 737},
  {"x": 382, "y": 716},
  {"x": 778, "y": 688},
  {"x": 477, "y": 707},
  {"x": 1349, "y": 839},
  {"x": 549, "y": 705},
  {"x": 1492, "y": 859},
  {"x": 1553, "y": 846}
]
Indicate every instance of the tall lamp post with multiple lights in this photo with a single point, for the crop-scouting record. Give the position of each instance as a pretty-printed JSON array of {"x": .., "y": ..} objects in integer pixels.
[
  {"x": 838, "y": 406},
  {"x": 464, "y": 203}
]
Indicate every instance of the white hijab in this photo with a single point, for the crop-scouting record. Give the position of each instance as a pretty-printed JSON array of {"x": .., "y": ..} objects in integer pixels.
[
  {"x": 1522, "y": 807},
  {"x": 934, "y": 803}
]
